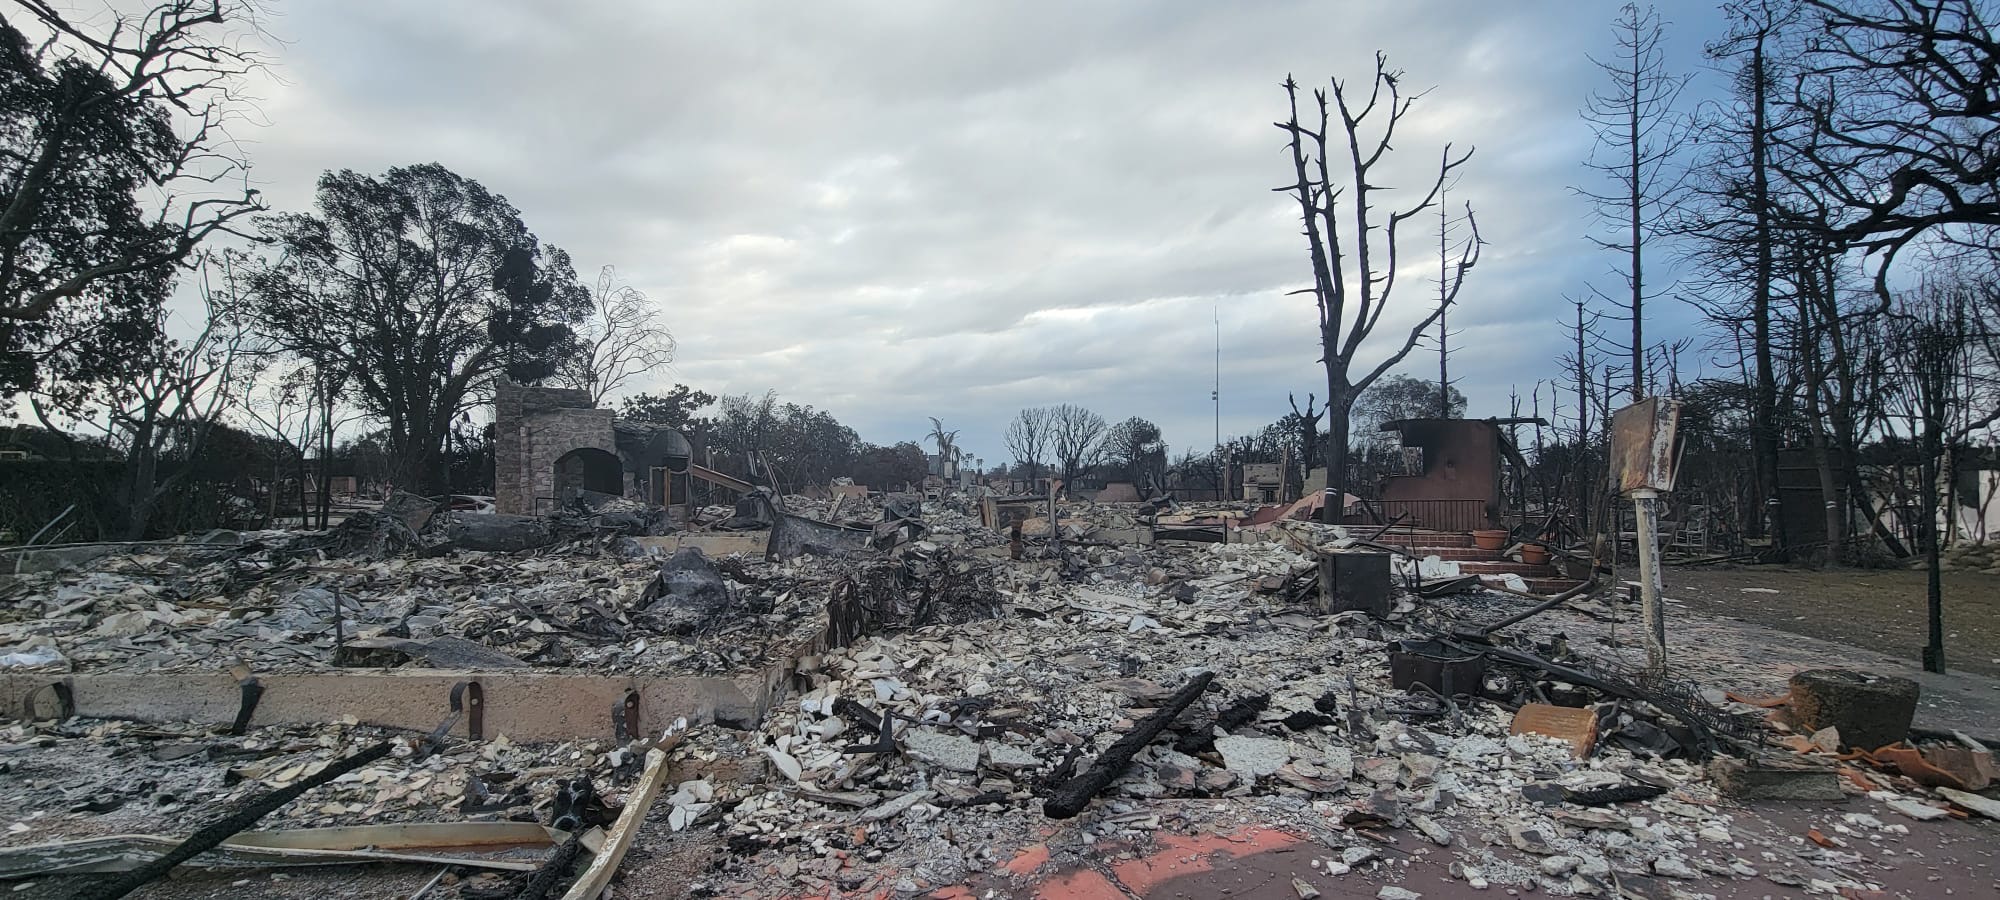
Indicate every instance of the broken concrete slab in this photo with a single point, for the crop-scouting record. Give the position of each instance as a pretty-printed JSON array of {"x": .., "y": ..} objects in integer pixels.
[
  {"x": 1252, "y": 757},
  {"x": 1985, "y": 806},
  {"x": 946, "y": 751},
  {"x": 1747, "y": 781}
]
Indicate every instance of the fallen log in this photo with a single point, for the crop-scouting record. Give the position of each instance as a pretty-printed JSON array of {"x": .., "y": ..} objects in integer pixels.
[{"x": 1072, "y": 796}]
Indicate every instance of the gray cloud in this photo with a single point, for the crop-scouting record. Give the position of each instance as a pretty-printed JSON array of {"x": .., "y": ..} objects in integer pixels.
[{"x": 896, "y": 210}]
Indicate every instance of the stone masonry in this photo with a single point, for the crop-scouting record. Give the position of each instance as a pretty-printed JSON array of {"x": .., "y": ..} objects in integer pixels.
[{"x": 532, "y": 428}]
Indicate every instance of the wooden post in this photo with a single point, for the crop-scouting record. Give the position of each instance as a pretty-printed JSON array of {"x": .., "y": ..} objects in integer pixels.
[{"x": 1653, "y": 617}]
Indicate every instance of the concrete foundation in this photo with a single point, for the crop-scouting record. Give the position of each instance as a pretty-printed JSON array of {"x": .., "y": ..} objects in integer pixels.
[{"x": 524, "y": 706}]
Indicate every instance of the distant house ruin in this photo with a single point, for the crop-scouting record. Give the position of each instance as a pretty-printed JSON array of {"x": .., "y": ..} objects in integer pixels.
[{"x": 551, "y": 445}]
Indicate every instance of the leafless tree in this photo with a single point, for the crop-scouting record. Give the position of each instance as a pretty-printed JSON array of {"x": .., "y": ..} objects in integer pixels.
[
  {"x": 167, "y": 410},
  {"x": 1902, "y": 99},
  {"x": 1307, "y": 422},
  {"x": 1028, "y": 439},
  {"x": 1077, "y": 436},
  {"x": 1351, "y": 303},
  {"x": 1638, "y": 133},
  {"x": 621, "y": 340},
  {"x": 1944, "y": 379},
  {"x": 187, "y": 56}
]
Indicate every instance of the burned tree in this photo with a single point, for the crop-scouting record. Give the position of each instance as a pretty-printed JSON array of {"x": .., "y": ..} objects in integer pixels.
[
  {"x": 1638, "y": 133},
  {"x": 947, "y": 446},
  {"x": 164, "y": 411},
  {"x": 620, "y": 340},
  {"x": 1354, "y": 266},
  {"x": 1901, "y": 96},
  {"x": 1136, "y": 447},
  {"x": 115, "y": 164},
  {"x": 1027, "y": 438},
  {"x": 1735, "y": 234},
  {"x": 1076, "y": 434},
  {"x": 1943, "y": 374}
]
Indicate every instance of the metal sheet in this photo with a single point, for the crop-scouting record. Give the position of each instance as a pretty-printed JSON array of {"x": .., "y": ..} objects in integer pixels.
[{"x": 1645, "y": 445}]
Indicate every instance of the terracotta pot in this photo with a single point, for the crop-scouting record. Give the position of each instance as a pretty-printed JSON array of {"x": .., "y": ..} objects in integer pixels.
[
  {"x": 1490, "y": 538},
  {"x": 1534, "y": 554}
]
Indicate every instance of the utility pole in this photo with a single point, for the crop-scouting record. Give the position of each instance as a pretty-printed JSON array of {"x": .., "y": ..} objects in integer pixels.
[{"x": 1216, "y": 395}]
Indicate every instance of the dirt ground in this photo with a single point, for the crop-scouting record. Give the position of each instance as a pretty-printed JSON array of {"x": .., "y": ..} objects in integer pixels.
[{"x": 1875, "y": 609}]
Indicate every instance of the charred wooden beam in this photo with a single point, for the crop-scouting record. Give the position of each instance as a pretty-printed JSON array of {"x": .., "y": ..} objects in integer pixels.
[
  {"x": 244, "y": 817},
  {"x": 1075, "y": 794},
  {"x": 1236, "y": 715}
]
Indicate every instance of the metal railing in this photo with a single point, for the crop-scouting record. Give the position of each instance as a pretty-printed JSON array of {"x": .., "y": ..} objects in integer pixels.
[{"x": 1433, "y": 515}]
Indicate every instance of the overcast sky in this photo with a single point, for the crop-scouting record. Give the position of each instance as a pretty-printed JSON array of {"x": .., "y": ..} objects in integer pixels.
[{"x": 896, "y": 210}]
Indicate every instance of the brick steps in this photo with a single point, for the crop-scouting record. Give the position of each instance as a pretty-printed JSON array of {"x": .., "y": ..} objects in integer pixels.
[
  {"x": 1455, "y": 554},
  {"x": 1507, "y": 567},
  {"x": 1457, "y": 547},
  {"x": 1422, "y": 539}
]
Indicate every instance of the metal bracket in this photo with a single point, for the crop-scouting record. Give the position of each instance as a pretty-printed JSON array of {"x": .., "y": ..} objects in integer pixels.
[
  {"x": 625, "y": 718},
  {"x": 469, "y": 698},
  {"x": 252, "y": 692},
  {"x": 65, "y": 700}
]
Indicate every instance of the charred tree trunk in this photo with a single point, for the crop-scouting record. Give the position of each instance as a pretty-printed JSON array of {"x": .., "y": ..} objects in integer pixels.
[{"x": 1764, "y": 431}]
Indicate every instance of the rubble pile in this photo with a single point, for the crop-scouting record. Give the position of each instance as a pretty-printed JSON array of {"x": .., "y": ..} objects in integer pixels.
[
  {"x": 937, "y": 743},
  {"x": 85, "y": 777},
  {"x": 941, "y": 691},
  {"x": 153, "y": 613}
]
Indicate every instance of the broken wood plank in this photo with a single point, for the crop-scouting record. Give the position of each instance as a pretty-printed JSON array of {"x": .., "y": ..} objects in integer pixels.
[
  {"x": 619, "y": 839},
  {"x": 295, "y": 847}
]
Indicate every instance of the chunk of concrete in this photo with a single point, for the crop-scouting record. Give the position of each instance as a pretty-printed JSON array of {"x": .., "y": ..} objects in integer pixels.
[
  {"x": 946, "y": 751},
  {"x": 1870, "y": 711},
  {"x": 1745, "y": 781},
  {"x": 1252, "y": 757},
  {"x": 1010, "y": 757}
]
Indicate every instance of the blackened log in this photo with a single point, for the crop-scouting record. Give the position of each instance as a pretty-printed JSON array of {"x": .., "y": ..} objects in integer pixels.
[
  {"x": 226, "y": 827},
  {"x": 1234, "y": 716},
  {"x": 1075, "y": 794}
]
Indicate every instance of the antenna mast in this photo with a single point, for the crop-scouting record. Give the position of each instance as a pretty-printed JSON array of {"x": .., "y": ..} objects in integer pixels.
[{"x": 1216, "y": 394}]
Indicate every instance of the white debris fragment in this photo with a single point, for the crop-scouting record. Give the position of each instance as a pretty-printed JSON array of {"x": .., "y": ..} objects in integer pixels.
[{"x": 1252, "y": 757}]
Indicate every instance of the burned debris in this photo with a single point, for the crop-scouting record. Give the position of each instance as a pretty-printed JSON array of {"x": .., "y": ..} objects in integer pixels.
[{"x": 929, "y": 706}]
